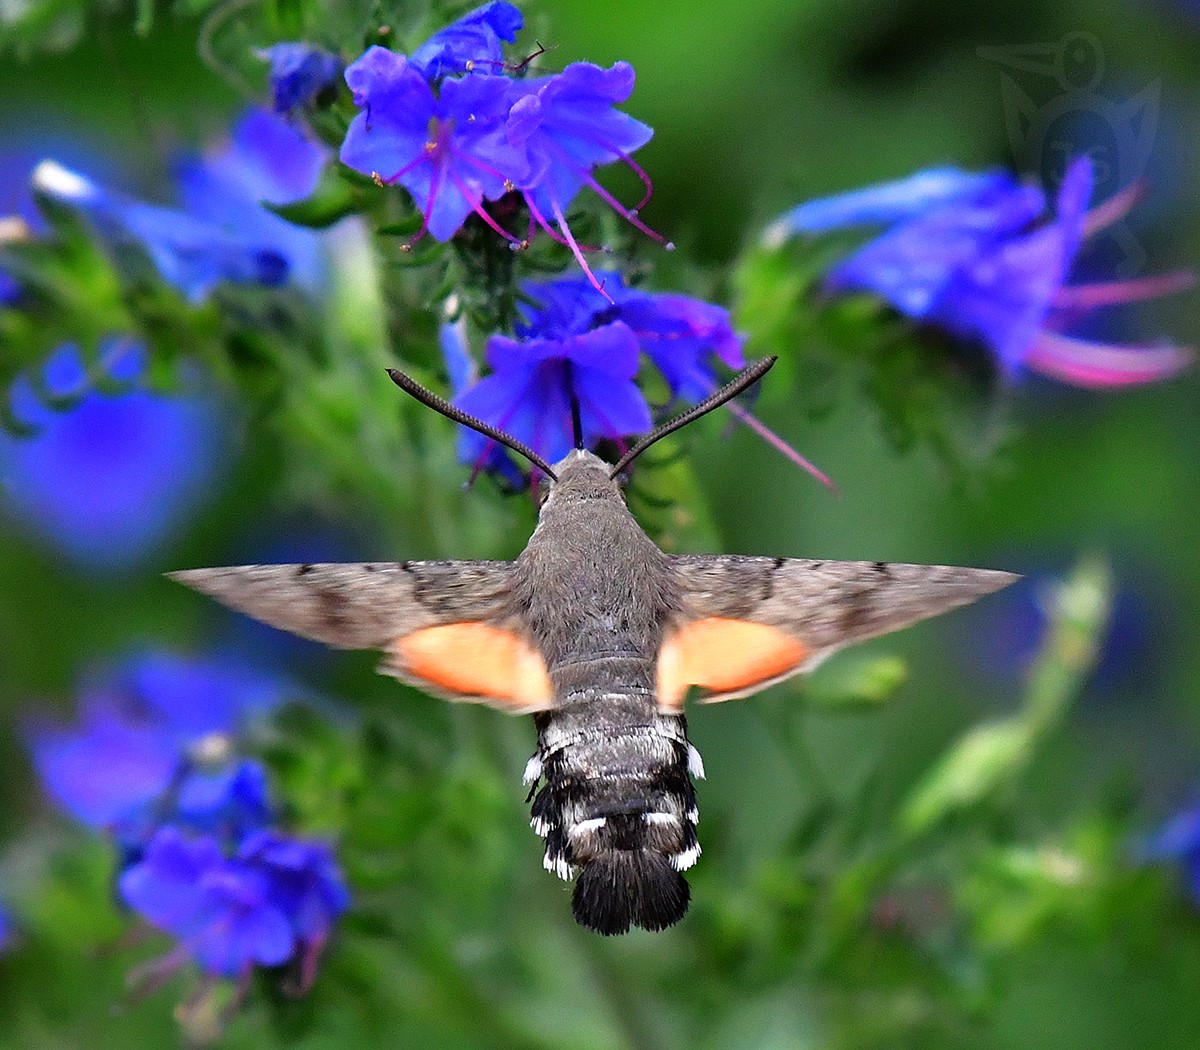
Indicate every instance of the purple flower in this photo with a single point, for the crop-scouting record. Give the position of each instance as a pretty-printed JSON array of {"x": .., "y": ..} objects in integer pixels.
[
  {"x": 684, "y": 337},
  {"x": 113, "y": 475},
  {"x": 225, "y": 234},
  {"x": 449, "y": 150},
  {"x": 455, "y": 143},
  {"x": 567, "y": 327},
  {"x": 535, "y": 384},
  {"x": 300, "y": 73},
  {"x": 567, "y": 125},
  {"x": 221, "y": 912},
  {"x": 149, "y": 728},
  {"x": 471, "y": 42},
  {"x": 979, "y": 256},
  {"x": 276, "y": 900}
]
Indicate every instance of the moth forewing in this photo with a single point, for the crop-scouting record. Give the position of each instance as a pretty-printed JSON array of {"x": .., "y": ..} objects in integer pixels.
[{"x": 747, "y": 623}]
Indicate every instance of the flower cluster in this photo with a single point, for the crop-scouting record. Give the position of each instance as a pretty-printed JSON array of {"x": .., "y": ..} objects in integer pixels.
[
  {"x": 979, "y": 256},
  {"x": 579, "y": 347},
  {"x": 455, "y": 127},
  {"x": 111, "y": 472},
  {"x": 153, "y": 765},
  {"x": 223, "y": 232}
]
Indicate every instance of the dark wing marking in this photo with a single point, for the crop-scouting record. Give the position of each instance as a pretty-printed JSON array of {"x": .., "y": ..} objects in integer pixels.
[{"x": 821, "y": 605}]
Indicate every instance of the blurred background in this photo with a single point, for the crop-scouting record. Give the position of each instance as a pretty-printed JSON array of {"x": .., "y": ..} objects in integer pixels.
[{"x": 1026, "y": 920}]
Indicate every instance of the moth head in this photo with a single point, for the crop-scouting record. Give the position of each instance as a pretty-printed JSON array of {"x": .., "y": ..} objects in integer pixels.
[{"x": 581, "y": 475}]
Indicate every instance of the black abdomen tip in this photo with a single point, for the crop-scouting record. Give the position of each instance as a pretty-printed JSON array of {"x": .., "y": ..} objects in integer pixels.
[{"x": 623, "y": 888}]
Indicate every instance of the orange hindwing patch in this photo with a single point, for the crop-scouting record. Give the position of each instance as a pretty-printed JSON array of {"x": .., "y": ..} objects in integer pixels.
[
  {"x": 723, "y": 656},
  {"x": 477, "y": 661}
]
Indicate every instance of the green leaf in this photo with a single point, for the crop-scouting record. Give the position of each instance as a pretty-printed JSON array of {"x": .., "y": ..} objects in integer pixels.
[{"x": 982, "y": 759}]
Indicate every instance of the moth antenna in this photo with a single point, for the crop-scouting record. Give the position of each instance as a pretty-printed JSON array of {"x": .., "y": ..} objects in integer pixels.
[
  {"x": 748, "y": 375},
  {"x": 439, "y": 404}
]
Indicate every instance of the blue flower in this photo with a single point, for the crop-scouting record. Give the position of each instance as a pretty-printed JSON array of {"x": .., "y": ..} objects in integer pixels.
[
  {"x": 579, "y": 343},
  {"x": 225, "y": 234},
  {"x": 6, "y": 930},
  {"x": 470, "y": 43},
  {"x": 981, "y": 257},
  {"x": 299, "y": 74},
  {"x": 305, "y": 882},
  {"x": 684, "y": 337},
  {"x": 221, "y": 912},
  {"x": 455, "y": 143},
  {"x": 153, "y": 746},
  {"x": 535, "y": 383},
  {"x": 111, "y": 477},
  {"x": 567, "y": 125},
  {"x": 265, "y": 160},
  {"x": 274, "y": 901},
  {"x": 449, "y": 150}
]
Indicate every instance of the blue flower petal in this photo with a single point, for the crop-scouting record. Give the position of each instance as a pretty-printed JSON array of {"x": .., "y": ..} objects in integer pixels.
[
  {"x": 109, "y": 769},
  {"x": 567, "y": 125},
  {"x": 472, "y": 42},
  {"x": 112, "y": 478},
  {"x": 892, "y": 202}
]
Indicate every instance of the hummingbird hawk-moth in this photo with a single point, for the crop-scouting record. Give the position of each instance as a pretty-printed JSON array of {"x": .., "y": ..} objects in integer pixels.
[{"x": 600, "y": 635}]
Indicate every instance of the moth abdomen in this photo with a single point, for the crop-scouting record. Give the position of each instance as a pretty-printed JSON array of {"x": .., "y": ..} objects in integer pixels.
[
  {"x": 618, "y": 809},
  {"x": 624, "y": 888}
]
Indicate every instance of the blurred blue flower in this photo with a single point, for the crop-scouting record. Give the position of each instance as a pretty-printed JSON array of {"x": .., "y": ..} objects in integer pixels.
[
  {"x": 225, "y": 233},
  {"x": 450, "y": 150},
  {"x": 221, "y": 912},
  {"x": 535, "y": 384},
  {"x": 274, "y": 901},
  {"x": 110, "y": 476},
  {"x": 265, "y": 160},
  {"x": 1178, "y": 840},
  {"x": 470, "y": 43},
  {"x": 154, "y": 745},
  {"x": 305, "y": 882},
  {"x": 299, "y": 74},
  {"x": 979, "y": 256},
  {"x": 1006, "y": 636},
  {"x": 6, "y": 930}
]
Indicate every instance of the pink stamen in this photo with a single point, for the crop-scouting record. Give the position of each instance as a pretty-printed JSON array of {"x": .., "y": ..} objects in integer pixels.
[
  {"x": 777, "y": 443},
  {"x": 629, "y": 214},
  {"x": 477, "y": 207},
  {"x": 1101, "y": 365},
  {"x": 640, "y": 172},
  {"x": 1112, "y": 293},
  {"x": 577, "y": 251},
  {"x": 541, "y": 220},
  {"x": 1114, "y": 209}
]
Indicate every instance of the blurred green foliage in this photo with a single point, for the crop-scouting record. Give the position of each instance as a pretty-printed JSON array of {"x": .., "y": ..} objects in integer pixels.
[{"x": 913, "y": 848}]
